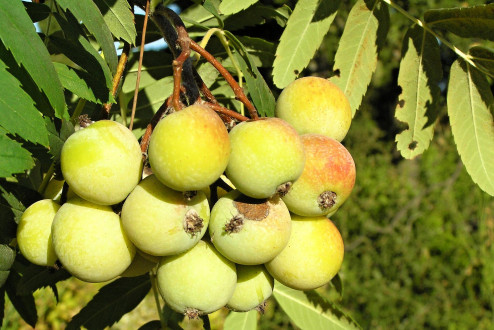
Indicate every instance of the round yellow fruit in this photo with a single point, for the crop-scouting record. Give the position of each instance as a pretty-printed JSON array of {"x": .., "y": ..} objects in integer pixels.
[
  {"x": 102, "y": 163},
  {"x": 267, "y": 157},
  {"x": 313, "y": 255},
  {"x": 189, "y": 149},
  {"x": 198, "y": 281},
  {"x": 34, "y": 232},
  {"x": 89, "y": 241},
  {"x": 315, "y": 105},
  {"x": 161, "y": 221},
  {"x": 249, "y": 231},
  {"x": 254, "y": 287}
]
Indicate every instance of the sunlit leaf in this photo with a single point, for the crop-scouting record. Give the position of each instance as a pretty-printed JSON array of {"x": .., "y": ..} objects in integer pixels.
[
  {"x": 420, "y": 72},
  {"x": 13, "y": 158},
  {"x": 88, "y": 13},
  {"x": 466, "y": 22},
  {"x": 356, "y": 57},
  {"x": 304, "y": 32},
  {"x": 18, "y": 114},
  {"x": 308, "y": 310},
  {"x": 470, "y": 106},
  {"x": 229, "y": 7},
  {"x": 119, "y": 18},
  {"x": 18, "y": 34},
  {"x": 241, "y": 321}
]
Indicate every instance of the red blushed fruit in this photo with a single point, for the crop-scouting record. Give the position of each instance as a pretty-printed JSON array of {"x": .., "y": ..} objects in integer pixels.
[{"x": 327, "y": 180}]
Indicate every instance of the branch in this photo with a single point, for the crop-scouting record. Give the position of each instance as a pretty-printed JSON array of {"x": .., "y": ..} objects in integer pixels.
[{"x": 117, "y": 78}]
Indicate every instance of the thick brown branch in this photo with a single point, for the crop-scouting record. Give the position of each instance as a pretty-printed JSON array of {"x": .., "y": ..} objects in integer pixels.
[{"x": 239, "y": 93}]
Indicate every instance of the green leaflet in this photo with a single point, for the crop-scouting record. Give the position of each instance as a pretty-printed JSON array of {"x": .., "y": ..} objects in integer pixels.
[
  {"x": 470, "y": 106},
  {"x": 469, "y": 22},
  {"x": 119, "y": 18},
  {"x": 18, "y": 115},
  {"x": 13, "y": 158},
  {"x": 241, "y": 321},
  {"x": 229, "y": 7},
  {"x": 18, "y": 35},
  {"x": 308, "y": 310},
  {"x": 306, "y": 27},
  {"x": 356, "y": 57},
  {"x": 87, "y": 12},
  {"x": 420, "y": 72}
]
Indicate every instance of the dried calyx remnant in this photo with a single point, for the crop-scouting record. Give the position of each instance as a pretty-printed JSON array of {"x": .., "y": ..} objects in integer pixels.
[
  {"x": 193, "y": 223},
  {"x": 248, "y": 209},
  {"x": 326, "y": 200},
  {"x": 188, "y": 195},
  {"x": 283, "y": 188},
  {"x": 192, "y": 313}
]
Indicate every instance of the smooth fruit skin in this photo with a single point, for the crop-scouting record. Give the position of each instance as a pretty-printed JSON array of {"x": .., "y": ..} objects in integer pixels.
[
  {"x": 266, "y": 153},
  {"x": 154, "y": 218},
  {"x": 313, "y": 255},
  {"x": 315, "y": 105},
  {"x": 199, "y": 281},
  {"x": 189, "y": 149},
  {"x": 102, "y": 163},
  {"x": 34, "y": 232},
  {"x": 263, "y": 231},
  {"x": 329, "y": 168},
  {"x": 254, "y": 287},
  {"x": 89, "y": 241}
]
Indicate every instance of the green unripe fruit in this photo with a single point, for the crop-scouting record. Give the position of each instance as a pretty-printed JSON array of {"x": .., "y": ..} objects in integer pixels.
[
  {"x": 139, "y": 266},
  {"x": 315, "y": 105},
  {"x": 199, "y": 281},
  {"x": 249, "y": 231},
  {"x": 267, "y": 157},
  {"x": 34, "y": 233},
  {"x": 312, "y": 257},
  {"x": 327, "y": 180},
  {"x": 161, "y": 221},
  {"x": 254, "y": 287},
  {"x": 89, "y": 241},
  {"x": 189, "y": 149},
  {"x": 102, "y": 163}
]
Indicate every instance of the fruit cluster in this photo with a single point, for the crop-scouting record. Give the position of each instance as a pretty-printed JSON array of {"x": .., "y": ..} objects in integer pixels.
[{"x": 208, "y": 247}]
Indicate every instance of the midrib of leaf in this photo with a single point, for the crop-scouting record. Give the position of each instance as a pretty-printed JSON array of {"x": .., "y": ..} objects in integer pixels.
[
  {"x": 308, "y": 306},
  {"x": 418, "y": 86},
  {"x": 477, "y": 144},
  {"x": 359, "y": 46}
]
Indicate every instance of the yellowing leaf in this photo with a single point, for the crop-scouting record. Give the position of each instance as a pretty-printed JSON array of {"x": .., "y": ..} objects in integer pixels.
[{"x": 470, "y": 106}]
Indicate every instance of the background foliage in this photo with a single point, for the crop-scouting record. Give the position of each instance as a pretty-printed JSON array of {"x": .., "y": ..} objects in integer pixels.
[{"x": 418, "y": 233}]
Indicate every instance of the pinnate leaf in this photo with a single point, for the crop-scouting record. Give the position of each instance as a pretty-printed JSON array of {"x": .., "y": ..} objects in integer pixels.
[
  {"x": 18, "y": 34},
  {"x": 24, "y": 304},
  {"x": 17, "y": 112},
  {"x": 306, "y": 27},
  {"x": 470, "y": 105},
  {"x": 112, "y": 302},
  {"x": 229, "y": 7},
  {"x": 308, "y": 310},
  {"x": 356, "y": 56},
  {"x": 87, "y": 12},
  {"x": 241, "y": 321},
  {"x": 467, "y": 22},
  {"x": 420, "y": 72},
  {"x": 119, "y": 18}
]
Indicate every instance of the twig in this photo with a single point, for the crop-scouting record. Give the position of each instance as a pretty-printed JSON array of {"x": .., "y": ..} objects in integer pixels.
[
  {"x": 220, "y": 109},
  {"x": 122, "y": 62},
  {"x": 239, "y": 93},
  {"x": 141, "y": 55}
]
